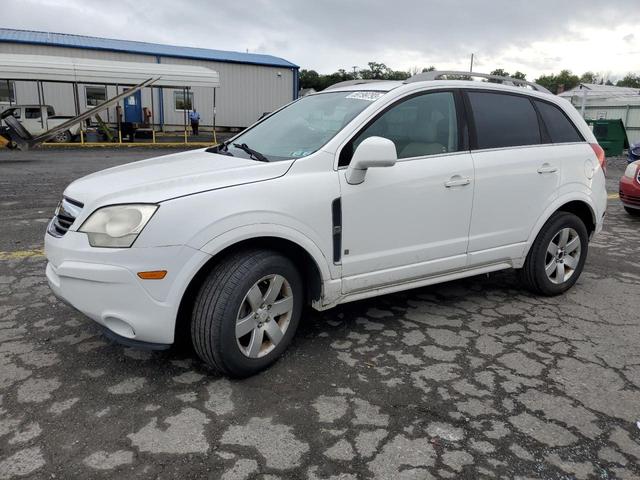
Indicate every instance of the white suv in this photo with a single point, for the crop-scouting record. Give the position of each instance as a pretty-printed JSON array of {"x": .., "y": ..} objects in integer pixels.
[{"x": 230, "y": 243}]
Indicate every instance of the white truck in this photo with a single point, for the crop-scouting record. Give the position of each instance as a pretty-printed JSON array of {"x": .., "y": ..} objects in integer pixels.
[{"x": 37, "y": 119}]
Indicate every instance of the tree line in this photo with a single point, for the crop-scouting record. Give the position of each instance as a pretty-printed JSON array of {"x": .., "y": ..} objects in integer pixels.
[{"x": 564, "y": 80}]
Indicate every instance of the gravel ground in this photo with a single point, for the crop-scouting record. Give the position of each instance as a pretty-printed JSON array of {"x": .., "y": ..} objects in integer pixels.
[{"x": 468, "y": 379}]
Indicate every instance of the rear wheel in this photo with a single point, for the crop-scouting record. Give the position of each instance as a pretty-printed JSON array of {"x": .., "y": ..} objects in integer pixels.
[
  {"x": 247, "y": 312},
  {"x": 557, "y": 256},
  {"x": 634, "y": 212}
]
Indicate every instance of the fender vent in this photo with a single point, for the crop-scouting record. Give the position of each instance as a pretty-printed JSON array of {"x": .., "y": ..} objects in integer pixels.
[{"x": 336, "y": 217}]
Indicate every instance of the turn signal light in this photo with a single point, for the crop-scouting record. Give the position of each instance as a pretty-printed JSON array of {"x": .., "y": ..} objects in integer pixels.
[{"x": 153, "y": 275}]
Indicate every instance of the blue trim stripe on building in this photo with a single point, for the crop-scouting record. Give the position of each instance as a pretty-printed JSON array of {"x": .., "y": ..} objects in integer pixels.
[{"x": 9, "y": 35}]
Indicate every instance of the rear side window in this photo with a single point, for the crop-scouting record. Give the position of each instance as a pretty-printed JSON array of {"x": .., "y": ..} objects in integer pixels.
[
  {"x": 559, "y": 127},
  {"x": 32, "y": 113},
  {"x": 504, "y": 120}
]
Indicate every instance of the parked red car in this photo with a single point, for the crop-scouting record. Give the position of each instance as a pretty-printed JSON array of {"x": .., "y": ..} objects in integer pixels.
[{"x": 630, "y": 189}]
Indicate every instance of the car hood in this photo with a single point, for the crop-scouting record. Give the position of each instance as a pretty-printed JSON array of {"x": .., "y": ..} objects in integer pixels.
[{"x": 163, "y": 178}]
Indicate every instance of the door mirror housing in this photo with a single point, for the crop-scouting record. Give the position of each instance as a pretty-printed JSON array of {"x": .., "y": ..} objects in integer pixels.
[{"x": 372, "y": 152}]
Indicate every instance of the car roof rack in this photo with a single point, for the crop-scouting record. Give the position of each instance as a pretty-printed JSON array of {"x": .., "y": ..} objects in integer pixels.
[
  {"x": 348, "y": 83},
  {"x": 437, "y": 75}
]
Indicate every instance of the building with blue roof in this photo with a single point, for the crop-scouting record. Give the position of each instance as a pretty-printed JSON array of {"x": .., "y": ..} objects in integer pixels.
[{"x": 250, "y": 83}]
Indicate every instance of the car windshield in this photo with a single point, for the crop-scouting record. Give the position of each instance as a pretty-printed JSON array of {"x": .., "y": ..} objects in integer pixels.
[{"x": 304, "y": 126}]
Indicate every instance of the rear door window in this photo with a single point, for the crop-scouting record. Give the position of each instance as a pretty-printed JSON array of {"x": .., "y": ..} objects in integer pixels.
[
  {"x": 503, "y": 120},
  {"x": 31, "y": 112},
  {"x": 559, "y": 127}
]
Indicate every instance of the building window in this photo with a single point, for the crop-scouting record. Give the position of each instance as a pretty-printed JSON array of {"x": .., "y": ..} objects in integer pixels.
[
  {"x": 179, "y": 100},
  {"x": 7, "y": 92},
  {"x": 95, "y": 95}
]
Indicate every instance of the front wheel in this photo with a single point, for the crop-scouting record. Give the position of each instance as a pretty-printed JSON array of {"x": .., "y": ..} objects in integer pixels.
[
  {"x": 634, "y": 212},
  {"x": 62, "y": 137},
  {"x": 557, "y": 256},
  {"x": 247, "y": 312}
]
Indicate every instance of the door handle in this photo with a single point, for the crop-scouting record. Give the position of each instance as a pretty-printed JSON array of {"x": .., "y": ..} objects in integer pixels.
[
  {"x": 547, "y": 168},
  {"x": 457, "y": 181}
]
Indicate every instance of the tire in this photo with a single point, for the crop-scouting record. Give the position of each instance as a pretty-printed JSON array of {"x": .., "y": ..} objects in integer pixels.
[
  {"x": 634, "y": 212},
  {"x": 534, "y": 274},
  {"x": 62, "y": 137},
  {"x": 228, "y": 294}
]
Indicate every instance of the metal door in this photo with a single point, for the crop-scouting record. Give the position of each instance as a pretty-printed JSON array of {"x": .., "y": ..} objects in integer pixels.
[{"x": 133, "y": 108}]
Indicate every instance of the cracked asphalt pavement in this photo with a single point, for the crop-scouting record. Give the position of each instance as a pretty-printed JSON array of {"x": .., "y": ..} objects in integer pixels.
[{"x": 469, "y": 379}]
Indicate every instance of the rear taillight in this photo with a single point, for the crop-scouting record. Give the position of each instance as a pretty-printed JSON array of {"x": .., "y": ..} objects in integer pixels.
[{"x": 597, "y": 149}]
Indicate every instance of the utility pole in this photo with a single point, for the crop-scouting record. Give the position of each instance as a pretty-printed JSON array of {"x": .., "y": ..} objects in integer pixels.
[{"x": 471, "y": 66}]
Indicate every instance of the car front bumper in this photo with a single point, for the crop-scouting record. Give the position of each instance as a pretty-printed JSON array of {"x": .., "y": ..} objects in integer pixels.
[
  {"x": 630, "y": 192},
  {"x": 102, "y": 283}
]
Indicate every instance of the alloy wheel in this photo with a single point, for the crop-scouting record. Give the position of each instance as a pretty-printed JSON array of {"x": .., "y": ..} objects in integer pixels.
[
  {"x": 563, "y": 255},
  {"x": 264, "y": 316}
]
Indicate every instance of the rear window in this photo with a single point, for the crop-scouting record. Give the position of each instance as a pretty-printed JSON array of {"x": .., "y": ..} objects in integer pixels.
[
  {"x": 504, "y": 120},
  {"x": 559, "y": 127}
]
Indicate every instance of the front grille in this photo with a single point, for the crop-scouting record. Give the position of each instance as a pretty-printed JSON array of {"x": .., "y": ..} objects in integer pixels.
[
  {"x": 66, "y": 213},
  {"x": 630, "y": 199}
]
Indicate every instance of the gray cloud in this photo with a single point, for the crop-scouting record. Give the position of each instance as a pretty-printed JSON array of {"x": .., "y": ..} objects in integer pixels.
[{"x": 332, "y": 34}]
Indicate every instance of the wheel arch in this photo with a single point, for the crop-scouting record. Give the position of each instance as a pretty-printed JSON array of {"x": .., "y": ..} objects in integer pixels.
[
  {"x": 583, "y": 211},
  {"x": 581, "y": 206},
  {"x": 312, "y": 272}
]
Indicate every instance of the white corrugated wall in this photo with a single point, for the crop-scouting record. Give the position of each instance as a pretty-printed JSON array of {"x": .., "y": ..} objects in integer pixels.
[{"x": 246, "y": 91}]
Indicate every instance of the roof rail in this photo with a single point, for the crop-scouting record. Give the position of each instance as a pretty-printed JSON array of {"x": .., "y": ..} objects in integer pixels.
[
  {"x": 437, "y": 75},
  {"x": 348, "y": 83}
]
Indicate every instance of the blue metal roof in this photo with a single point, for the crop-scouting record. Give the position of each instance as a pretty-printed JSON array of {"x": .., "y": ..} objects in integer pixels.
[{"x": 128, "y": 46}]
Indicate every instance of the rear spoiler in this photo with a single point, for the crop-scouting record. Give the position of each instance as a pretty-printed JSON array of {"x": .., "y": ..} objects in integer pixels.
[{"x": 24, "y": 140}]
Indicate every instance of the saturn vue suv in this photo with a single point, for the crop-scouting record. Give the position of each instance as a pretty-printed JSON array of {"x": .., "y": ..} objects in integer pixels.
[{"x": 363, "y": 189}]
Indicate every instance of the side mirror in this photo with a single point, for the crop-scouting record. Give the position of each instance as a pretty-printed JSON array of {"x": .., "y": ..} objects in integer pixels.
[{"x": 372, "y": 152}]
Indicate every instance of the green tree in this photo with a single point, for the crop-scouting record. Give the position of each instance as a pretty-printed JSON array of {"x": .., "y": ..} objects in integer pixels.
[
  {"x": 430, "y": 68},
  {"x": 309, "y": 79},
  {"x": 519, "y": 75},
  {"x": 630, "y": 80},
  {"x": 552, "y": 82},
  {"x": 376, "y": 71},
  {"x": 589, "y": 77},
  {"x": 499, "y": 72}
]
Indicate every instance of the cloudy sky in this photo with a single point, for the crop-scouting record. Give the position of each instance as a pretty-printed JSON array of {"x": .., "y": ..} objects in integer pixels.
[{"x": 536, "y": 37}]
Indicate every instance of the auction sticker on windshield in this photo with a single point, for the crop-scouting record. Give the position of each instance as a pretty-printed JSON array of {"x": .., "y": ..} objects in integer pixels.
[{"x": 368, "y": 96}]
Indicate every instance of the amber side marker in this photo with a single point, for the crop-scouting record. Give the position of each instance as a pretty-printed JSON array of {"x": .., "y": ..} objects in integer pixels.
[{"x": 153, "y": 275}]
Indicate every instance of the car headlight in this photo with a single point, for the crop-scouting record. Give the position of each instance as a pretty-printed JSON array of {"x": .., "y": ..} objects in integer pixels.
[
  {"x": 630, "y": 171},
  {"x": 117, "y": 225}
]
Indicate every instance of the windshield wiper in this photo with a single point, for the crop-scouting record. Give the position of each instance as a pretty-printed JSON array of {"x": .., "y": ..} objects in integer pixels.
[
  {"x": 254, "y": 153},
  {"x": 222, "y": 149}
]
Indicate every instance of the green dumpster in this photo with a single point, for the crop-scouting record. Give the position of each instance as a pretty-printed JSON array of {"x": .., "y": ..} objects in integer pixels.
[{"x": 611, "y": 136}]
